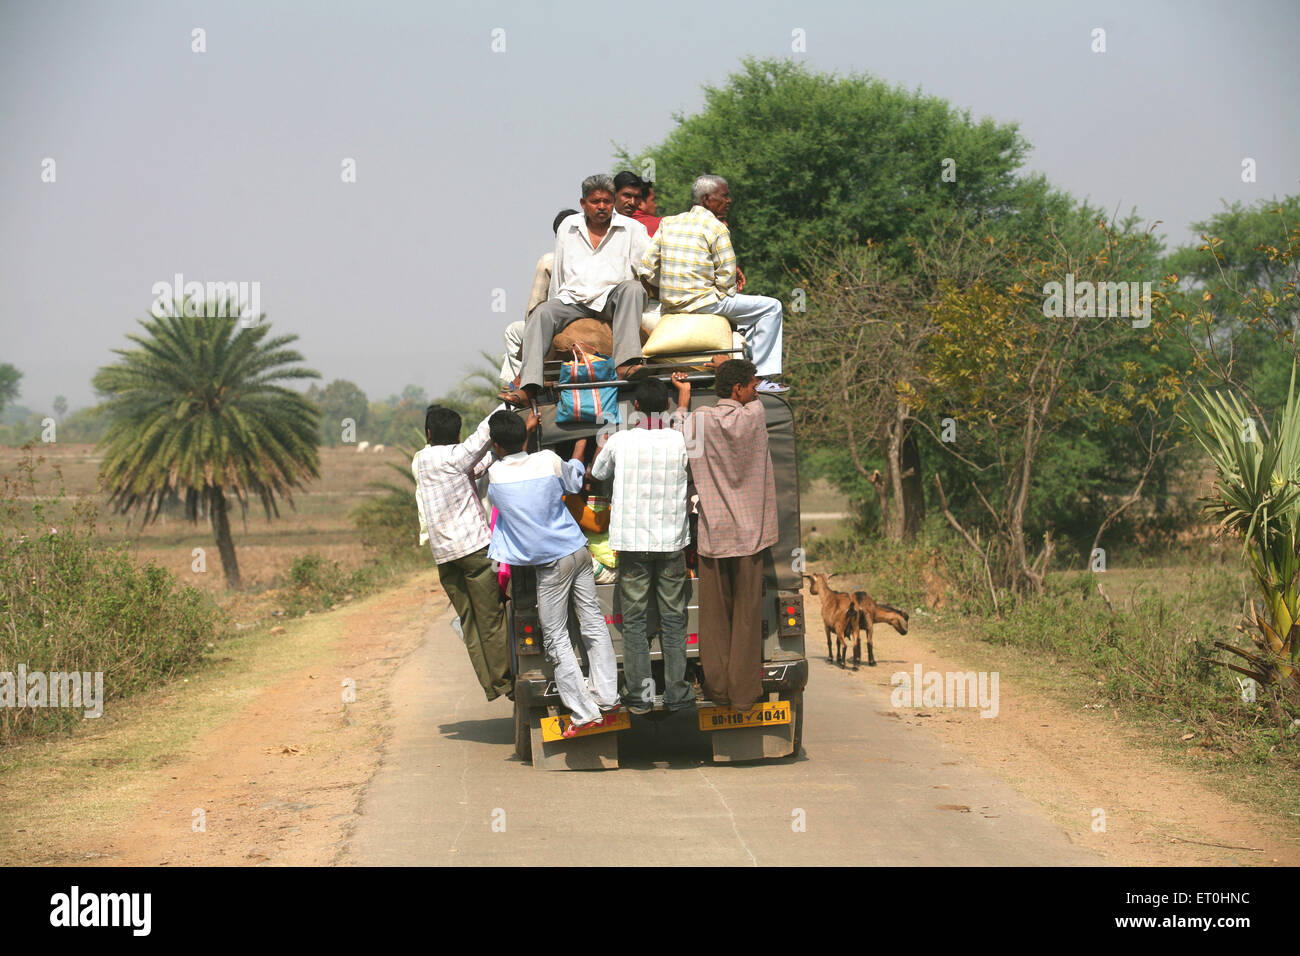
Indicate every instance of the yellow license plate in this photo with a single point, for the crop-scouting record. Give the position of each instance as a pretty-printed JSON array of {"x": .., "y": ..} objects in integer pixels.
[
  {"x": 553, "y": 727},
  {"x": 760, "y": 715}
]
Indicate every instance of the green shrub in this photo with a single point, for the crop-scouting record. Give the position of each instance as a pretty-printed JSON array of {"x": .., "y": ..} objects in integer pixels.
[
  {"x": 388, "y": 524},
  {"x": 318, "y": 584},
  {"x": 69, "y": 604},
  {"x": 1153, "y": 653},
  {"x": 313, "y": 572}
]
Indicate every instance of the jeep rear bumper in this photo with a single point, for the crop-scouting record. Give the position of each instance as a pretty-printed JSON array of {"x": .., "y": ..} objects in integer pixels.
[{"x": 534, "y": 689}]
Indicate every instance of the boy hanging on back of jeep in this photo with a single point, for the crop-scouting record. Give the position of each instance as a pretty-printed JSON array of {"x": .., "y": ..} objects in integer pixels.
[
  {"x": 649, "y": 529},
  {"x": 535, "y": 528},
  {"x": 452, "y": 519}
]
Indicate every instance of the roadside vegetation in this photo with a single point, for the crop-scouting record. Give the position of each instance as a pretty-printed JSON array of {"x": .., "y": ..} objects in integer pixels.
[
  {"x": 69, "y": 602},
  {"x": 75, "y": 598}
]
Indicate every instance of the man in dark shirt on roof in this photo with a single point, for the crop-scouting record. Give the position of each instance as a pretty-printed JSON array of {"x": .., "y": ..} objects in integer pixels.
[{"x": 646, "y": 211}]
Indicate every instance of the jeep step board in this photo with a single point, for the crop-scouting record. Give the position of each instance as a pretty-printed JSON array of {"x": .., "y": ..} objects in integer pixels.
[
  {"x": 593, "y": 752},
  {"x": 753, "y": 743}
]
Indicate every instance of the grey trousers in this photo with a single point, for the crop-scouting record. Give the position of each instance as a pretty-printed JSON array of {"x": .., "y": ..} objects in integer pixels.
[
  {"x": 663, "y": 575},
  {"x": 625, "y": 305},
  {"x": 555, "y": 582}
]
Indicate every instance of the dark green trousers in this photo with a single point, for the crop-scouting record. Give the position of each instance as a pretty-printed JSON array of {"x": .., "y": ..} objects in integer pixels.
[{"x": 471, "y": 585}]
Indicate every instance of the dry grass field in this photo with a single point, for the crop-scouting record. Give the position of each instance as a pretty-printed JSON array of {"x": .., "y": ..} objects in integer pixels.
[{"x": 318, "y": 521}]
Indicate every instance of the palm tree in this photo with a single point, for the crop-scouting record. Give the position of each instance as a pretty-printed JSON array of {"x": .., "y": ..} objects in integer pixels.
[
  {"x": 195, "y": 413},
  {"x": 477, "y": 392},
  {"x": 473, "y": 398},
  {"x": 1257, "y": 497}
]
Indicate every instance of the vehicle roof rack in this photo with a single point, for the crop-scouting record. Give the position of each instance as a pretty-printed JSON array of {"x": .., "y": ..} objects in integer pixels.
[{"x": 658, "y": 369}]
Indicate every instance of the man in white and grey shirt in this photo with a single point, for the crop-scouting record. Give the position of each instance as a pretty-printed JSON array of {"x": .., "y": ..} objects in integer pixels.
[
  {"x": 596, "y": 252},
  {"x": 451, "y": 516},
  {"x": 649, "y": 529}
]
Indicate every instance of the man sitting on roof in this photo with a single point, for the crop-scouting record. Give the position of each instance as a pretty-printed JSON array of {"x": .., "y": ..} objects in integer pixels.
[
  {"x": 593, "y": 276},
  {"x": 627, "y": 193},
  {"x": 692, "y": 266},
  {"x": 647, "y": 210},
  {"x": 630, "y": 192}
]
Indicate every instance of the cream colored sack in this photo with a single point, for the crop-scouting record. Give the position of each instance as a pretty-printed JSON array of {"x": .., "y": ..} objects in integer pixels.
[{"x": 682, "y": 332}]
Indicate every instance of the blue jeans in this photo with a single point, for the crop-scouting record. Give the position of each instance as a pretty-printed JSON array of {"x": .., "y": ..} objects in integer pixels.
[{"x": 665, "y": 572}]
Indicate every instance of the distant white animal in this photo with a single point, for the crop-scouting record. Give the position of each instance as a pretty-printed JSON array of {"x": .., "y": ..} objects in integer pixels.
[
  {"x": 377, "y": 448},
  {"x": 363, "y": 445}
]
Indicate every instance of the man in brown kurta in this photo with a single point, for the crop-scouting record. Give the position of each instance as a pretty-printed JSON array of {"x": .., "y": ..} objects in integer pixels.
[{"x": 732, "y": 470}]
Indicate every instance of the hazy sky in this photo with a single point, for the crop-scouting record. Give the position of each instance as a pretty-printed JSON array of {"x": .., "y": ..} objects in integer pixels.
[{"x": 225, "y": 165}]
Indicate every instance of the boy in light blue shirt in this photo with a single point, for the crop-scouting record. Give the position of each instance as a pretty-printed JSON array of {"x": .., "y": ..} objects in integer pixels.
[{"x": 534, "y": 527}]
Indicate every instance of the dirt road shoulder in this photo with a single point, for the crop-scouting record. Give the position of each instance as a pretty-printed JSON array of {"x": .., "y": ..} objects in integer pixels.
[
  {"x": 1110, "y": 787},
  {"x": 258, "y": 758}
]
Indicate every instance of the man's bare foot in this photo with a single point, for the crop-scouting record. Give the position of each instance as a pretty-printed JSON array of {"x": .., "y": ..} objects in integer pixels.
[
  {"x": 519, "y": 397},
  {"x": 632, "y": 371}
]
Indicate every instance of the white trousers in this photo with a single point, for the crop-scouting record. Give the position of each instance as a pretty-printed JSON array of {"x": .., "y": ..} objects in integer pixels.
[
  {"x": 555, "y": 582},
  {"x": 514, "y": 357},
  {"x": 760, "y": 317}
]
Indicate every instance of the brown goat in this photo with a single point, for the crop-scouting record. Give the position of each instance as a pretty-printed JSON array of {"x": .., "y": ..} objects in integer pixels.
[
  {"x": 839, "y": 615},
  {"x": 869, "y": 613}
]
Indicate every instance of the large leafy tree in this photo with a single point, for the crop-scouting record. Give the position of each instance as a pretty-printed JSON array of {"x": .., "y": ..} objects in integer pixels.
[
  {"x": 198, "y": 413},
  {"x": 859, "y": 342},
  {"x": 1014, "y": 380},
  {"x": 818, "y": 158},
  {"x": 831, "y": 173}
]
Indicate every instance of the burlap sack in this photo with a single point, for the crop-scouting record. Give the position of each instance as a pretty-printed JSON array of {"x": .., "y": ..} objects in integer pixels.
[
  {"x": 680, "y": 333},
  {"x": 594, "y": 335}
]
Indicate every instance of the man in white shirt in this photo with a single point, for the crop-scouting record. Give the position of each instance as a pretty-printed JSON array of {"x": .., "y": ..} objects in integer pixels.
[
  {"x": 596, "y": 252},
  {"x": 649, "y": 529},
  {"x": 451, "y": 516}
]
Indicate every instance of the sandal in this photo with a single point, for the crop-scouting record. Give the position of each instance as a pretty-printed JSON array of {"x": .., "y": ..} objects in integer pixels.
[{"x": 572, "y": 730}]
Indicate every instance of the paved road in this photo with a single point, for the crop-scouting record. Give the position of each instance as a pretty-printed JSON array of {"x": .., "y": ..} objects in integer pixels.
[{"x": 450, "y": 790}]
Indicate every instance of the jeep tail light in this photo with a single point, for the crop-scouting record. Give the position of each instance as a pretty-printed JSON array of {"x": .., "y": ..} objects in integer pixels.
[
  {"x": 790, "y": 616},
  {"x": 528, "y": 643}
]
